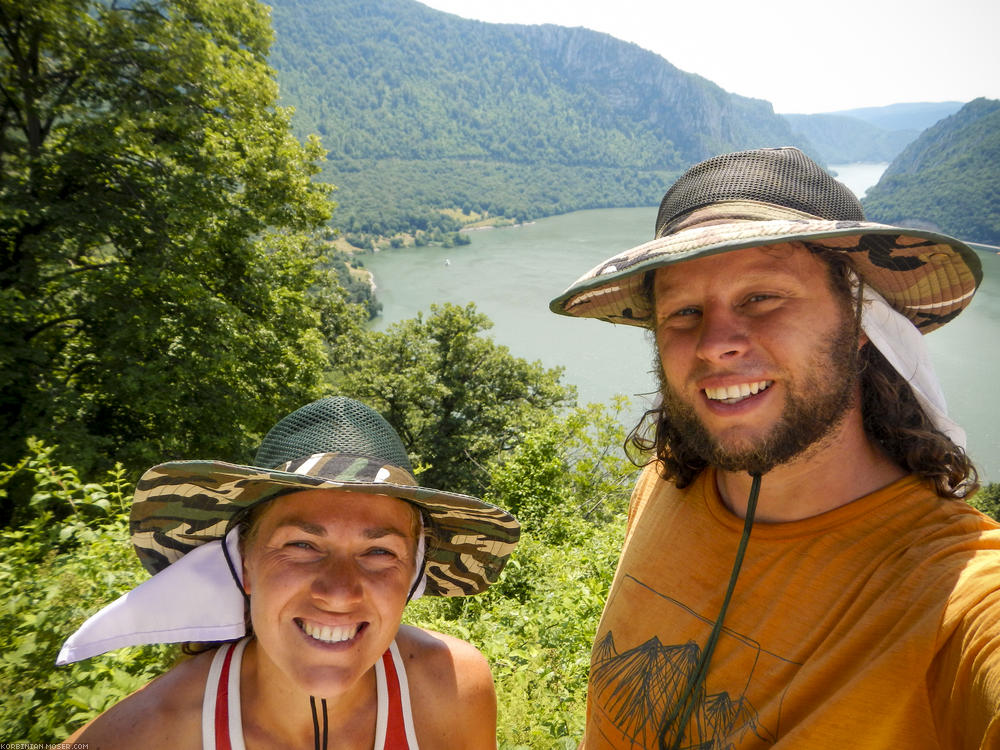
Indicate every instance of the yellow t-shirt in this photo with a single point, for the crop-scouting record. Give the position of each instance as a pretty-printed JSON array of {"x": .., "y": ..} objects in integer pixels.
[{"x": 876, "y": 625}]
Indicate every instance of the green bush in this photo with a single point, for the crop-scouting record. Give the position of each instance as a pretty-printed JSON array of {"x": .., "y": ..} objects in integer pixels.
[
  {"x": 72, "y": 557},
  {"x": 569, "y": 483},
  {"x": 987, "y": 499},
  {"x": 568, "y": 478}
]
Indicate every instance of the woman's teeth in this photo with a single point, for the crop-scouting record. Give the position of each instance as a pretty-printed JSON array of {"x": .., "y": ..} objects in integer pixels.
[{"x": 329, "y": 634}]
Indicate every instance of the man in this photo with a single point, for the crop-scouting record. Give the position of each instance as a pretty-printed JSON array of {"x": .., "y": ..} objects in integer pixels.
[{"x": 798, "y": 569}]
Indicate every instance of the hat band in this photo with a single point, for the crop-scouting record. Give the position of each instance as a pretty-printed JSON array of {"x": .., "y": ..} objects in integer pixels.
[
  {"x": 347, "y": 467},
  {"x": 728, "y": 212}
]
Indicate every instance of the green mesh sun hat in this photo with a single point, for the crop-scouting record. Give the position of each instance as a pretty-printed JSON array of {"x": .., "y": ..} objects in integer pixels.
[
  {"x": 334, "y": 443},
  {"x": 768, "y": 196}
]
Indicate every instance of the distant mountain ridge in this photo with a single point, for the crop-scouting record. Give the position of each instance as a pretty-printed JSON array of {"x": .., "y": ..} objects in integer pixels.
[
  {"x": 903, "y": 116},
  {"x": 870, "y": 134},
  {"x": 425, "y": 112},
  {"x": 948, "y": 179}
]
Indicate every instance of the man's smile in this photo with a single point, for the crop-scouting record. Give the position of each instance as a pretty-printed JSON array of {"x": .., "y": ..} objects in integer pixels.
[{"x": 733, "y": 394}]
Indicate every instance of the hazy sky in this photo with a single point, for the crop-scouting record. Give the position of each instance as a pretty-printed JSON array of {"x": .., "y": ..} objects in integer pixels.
[{"x": 802, "y": 56}]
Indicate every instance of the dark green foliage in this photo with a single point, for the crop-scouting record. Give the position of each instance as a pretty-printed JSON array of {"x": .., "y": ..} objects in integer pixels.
[
  {"x": 570, "y": 482},
  {"x": 536, "y": 626},
  {"x": 456, "y": 398},
  {"x": 356, "y": 282},
  {"x": 159, "y": 285},
  {"x": 68, "y": 560},
  {"x": 403, "y": 197},
  {"x": 948, "y": 179},
  {"x": 421, "y": 110},
  {"x": 988, "y": 500}
]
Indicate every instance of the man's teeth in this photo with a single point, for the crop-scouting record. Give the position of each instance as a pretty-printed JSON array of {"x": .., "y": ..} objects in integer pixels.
[
  {"x": 734, "y": 393},
  {"x": 329, "y": 634}
]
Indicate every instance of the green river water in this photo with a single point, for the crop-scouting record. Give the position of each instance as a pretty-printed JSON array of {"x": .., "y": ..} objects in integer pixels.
[{"x": 512, "y": 273}]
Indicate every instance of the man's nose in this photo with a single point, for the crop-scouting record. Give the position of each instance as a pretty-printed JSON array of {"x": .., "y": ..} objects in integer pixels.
[{"x": 722, "y": 334}]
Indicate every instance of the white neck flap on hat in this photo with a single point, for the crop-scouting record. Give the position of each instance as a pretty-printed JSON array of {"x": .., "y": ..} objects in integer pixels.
[
  {"x": 193, "y": 600},
  {"x": 904, "y": 348}
]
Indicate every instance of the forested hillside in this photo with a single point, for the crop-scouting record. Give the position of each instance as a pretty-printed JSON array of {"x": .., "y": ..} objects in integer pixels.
[
  {"x": 868, "y": 134},
  {"x": 423, "y": 111},
  {"x": 948, "y": 179}
]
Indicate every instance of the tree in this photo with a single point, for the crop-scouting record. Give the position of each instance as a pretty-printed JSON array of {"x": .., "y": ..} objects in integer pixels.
[
  {"x": 456, "y": 398},
  {"x": 987, "y": 499},
  {"x": 160, "y": 284}
]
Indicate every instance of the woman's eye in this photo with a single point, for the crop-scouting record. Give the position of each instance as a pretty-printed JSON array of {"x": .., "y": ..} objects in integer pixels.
[{"x": 300, "y": 545}]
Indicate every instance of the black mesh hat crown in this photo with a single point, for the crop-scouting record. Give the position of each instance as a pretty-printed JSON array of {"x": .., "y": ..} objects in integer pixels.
[
  {"x": 780, "y": 176},
  {"x": 332, "y": 425}
]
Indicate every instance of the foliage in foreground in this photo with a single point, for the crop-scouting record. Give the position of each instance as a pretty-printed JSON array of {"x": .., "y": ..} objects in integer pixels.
[
  {"x": 569, "y": 483},
  {"x": 568, "y": 479},
  {"x": 57, "y": 569}
]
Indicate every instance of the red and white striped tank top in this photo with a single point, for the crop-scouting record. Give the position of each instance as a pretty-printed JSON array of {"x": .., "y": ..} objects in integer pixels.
[{"x": 222, "y": 721}]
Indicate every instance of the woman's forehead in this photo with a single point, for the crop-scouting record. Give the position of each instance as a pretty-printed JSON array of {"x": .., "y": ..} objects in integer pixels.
[{"x": 332, "y": 507}]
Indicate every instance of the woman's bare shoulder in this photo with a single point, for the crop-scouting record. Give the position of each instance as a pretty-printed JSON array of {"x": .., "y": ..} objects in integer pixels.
[
  {"x": 445, "y": 672},
  {"x": 165, "y": 713}
]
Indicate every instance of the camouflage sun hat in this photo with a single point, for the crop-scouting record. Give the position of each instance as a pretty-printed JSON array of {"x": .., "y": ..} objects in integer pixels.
[
  {"x": 334, "y": 443},
  {"x": 767, "y": 196}
]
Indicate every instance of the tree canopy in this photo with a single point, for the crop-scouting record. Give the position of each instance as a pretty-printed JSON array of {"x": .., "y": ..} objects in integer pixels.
[
  {"x": 457, "y": 399},
  {"x": 157, "y": 220}
]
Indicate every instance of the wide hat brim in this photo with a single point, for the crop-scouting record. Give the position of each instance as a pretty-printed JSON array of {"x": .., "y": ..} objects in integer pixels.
[
  {"x": 181, "y": 505},
  {"x": 926, "y": 276}
]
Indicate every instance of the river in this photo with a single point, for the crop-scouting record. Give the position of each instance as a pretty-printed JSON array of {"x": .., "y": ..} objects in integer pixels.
[{"x": 512, "y": 273}]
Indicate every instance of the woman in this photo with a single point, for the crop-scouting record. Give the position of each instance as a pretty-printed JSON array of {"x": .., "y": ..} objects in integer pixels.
[{"x": 319, "y": 545}]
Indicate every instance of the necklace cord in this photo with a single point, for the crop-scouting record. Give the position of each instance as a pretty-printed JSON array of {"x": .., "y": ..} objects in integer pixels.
[
  {"x": 312, "y": 705},
  {"x": 689, "y": 699},
  {"x": 316, "y": 732}
]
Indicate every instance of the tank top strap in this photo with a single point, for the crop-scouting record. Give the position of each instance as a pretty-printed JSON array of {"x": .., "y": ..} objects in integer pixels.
[
  {"x": 221, "y": 717},
  {"x": 394, "y": 721}
]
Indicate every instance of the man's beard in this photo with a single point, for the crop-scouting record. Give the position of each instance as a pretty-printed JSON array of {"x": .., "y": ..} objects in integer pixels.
[{"x": 812, "y": 411}]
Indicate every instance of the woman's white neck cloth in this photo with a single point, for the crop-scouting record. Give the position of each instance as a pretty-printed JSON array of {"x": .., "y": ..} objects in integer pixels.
[
  {"x": 194, "y": 600},
  {"x": 904, "y": 348}
]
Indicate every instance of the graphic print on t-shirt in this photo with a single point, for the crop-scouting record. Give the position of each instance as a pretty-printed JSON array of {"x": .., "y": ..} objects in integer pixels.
[{"x": 636, "y": 685}]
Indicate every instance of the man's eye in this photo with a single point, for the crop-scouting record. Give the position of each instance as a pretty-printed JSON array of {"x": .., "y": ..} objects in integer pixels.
[
  {"x": 685, "y": 312},
  {"x": 759, "y": 297}
]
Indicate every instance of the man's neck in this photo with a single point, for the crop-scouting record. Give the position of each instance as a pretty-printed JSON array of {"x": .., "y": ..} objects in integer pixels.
[{"x": 839, "y": 469}]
